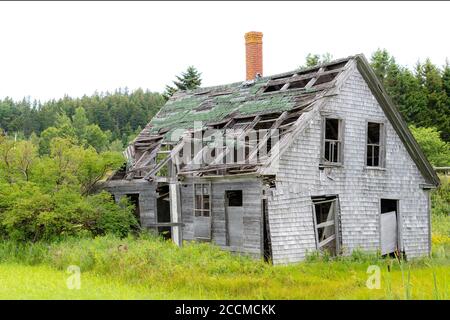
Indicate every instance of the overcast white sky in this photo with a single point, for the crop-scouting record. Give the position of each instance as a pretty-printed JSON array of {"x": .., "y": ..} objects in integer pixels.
[{"x": 49, "y": 49}]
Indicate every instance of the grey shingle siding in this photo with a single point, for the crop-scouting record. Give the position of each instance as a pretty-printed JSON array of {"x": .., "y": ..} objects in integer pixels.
[
  {"x": 252, "y": 219},
  {"x": 147, "y": 196},
  {"x": 359, "y": 189}
]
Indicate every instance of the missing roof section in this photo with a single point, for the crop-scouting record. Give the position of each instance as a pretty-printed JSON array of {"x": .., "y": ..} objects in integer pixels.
[
  {"x": 298, "y": 84},
  {"x": 273, "y": 88},
  {"x": 326, "y": 78},
  {"x": 304, "y": 79}
]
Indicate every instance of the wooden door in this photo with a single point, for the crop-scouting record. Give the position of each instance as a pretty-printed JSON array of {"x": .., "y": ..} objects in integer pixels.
[{"x": 389, "y": 232}]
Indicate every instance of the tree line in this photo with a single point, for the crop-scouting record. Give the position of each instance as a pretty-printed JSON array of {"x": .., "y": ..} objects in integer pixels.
[
  {"x": 118, "y": 114},
  {"x": 108, "y": 121}
]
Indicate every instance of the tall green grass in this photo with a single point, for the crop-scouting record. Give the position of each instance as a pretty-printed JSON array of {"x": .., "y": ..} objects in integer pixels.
[{"x": 204, "y": 271}]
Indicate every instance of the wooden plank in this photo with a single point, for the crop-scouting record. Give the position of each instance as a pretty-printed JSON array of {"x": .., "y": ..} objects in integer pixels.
[
  {"x": 172, "y": 154},
  {"x": 327, "y": 240},
  {"x": 166, "y": 224},
  {"x": 175, "y": 212}
]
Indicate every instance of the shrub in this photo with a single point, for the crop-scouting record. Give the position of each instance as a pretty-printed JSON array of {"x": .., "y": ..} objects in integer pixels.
[
  {"x": 29, "y": 214},
  {"x": 436, "y": 150}
]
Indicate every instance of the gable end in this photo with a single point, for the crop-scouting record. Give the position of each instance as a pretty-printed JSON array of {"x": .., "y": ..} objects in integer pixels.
[{"x": 397, "y": 121}]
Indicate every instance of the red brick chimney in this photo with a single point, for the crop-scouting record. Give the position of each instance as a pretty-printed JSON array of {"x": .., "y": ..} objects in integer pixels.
[{"x": 253, "y": 54}]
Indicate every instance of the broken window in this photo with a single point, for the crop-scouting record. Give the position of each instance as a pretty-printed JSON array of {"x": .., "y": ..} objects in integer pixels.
[
  {"x": 234, "y": 198},
  {"x": 374, "y": 145},
  {"x": 332, "y": 142},
  {"x": 325, "y": 215},
  {"x": 202, "y": 201}
]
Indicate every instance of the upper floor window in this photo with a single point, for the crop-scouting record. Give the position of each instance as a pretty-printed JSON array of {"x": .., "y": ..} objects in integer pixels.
[
  {"x": 374, "y": 144},
  {"x": 332, "y": 142}
]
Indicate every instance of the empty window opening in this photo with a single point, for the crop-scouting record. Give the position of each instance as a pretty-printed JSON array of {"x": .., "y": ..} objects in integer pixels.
[
  {"x": 325, "y": 78},
  {"x": 332, "y": 141},
  {"x": 133, "y": 198},
  {"x": 234, "y": 198},
  {"x": 299, "y": 84},
  {"x": 325, "y": 215},
  {"x": 202, "y": 211},
  {"x": 374, "y": 144},
  {"x": 163, "y": 211},
  {"x": 202, "y": 201},
  {"x": 388, "y": 205}
]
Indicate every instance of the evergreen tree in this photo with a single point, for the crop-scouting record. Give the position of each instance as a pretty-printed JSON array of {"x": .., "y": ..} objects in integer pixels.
[
  {"x": 188, "y": 80},
  {"x": 381, "y": 61}
]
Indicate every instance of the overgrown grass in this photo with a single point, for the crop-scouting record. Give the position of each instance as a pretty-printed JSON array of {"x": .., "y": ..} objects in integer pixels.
[{"x": 150, "y": 268}]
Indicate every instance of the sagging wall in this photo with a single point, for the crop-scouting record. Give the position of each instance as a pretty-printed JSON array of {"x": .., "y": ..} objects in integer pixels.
[
  {"x": 147, "y": 196},
  {"x": 251, "y": 209},
  {"x": 359, "y": 188}
]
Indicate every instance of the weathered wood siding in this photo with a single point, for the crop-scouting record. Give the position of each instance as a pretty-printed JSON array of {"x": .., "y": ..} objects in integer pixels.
[
  {"x": 251, "y": 207},
  {"x": 359, "y": 188},
  {"x": 147, "y": 196}
]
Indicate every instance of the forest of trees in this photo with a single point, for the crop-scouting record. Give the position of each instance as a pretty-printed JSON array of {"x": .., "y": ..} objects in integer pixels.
[{"x": 120, "y": 114}]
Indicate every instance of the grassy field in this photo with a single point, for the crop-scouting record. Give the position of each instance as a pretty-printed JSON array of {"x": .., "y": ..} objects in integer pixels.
[{"x": 149, "y": 268}]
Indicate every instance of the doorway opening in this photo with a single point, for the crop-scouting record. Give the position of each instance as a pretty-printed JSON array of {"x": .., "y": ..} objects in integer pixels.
[
  {"x": 267, "y": 246},
  {"x": 326, "y": 224},
  {"x": 389, "y": 231},
  {"x": 163, "y": 211},
  {"x": 235, "y": 217},
  {"x": 133, "y": 198}
]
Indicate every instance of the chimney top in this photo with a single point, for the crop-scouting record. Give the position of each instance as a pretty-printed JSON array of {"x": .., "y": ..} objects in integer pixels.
[
  {"x": 253, "y": 37},
  {"x": 253, "y": 54}
]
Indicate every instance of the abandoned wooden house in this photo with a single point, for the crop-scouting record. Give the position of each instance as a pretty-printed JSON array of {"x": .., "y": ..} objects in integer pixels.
[{"x": 343, "y": 173}]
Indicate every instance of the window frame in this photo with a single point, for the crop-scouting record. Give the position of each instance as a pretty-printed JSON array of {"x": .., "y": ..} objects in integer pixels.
[
  {"x": 202, "y": 212},
  {"x": 341, "y": 127},
  {"x": 227, "y": 197},
  {"x": 381, "y": 145}
]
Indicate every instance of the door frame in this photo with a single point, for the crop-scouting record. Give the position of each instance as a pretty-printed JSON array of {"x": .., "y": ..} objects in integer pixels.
[
  {"x": 336, "y": 208},
  {"x": 399, "y": 223}
]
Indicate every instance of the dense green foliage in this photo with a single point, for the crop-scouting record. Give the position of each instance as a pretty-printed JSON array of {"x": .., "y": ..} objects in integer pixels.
[
  {"x": 422, "y": 95},
  {"x": 119, "y": 114},
  {"x": 188, "y": 80},
  {"x": 50, "y": 196},
  {"x": 440, "y": 199},
  {"x": 436, "y": 150}
]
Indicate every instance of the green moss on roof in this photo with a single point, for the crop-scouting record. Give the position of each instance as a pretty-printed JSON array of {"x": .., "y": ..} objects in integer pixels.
[{"x": 210, "y": 105}]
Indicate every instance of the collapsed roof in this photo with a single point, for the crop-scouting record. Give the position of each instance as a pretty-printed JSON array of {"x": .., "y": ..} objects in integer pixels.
[{"x": 284, "y": 101}]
